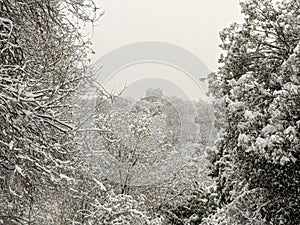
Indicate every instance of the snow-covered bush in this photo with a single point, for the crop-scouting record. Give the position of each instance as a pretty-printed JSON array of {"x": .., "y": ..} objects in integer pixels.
[{"x": 119, "y": 209}]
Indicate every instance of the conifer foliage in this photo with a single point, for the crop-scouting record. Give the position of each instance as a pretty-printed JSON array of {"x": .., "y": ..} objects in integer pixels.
[{"x": 257, "y": 162}]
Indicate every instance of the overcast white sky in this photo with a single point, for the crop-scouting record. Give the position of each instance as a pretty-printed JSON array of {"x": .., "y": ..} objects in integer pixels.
[{"x": 191, "y": 24}]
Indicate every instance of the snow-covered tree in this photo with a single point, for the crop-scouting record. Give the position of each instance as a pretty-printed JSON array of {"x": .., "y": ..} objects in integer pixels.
[
  {"x": 138, "y": 135},
  {"x": 120, "y": 209},
  {"x": 258, "y": 83},
  {"x": 144, "y": 136},
  {"x": 42, "y": 57}
]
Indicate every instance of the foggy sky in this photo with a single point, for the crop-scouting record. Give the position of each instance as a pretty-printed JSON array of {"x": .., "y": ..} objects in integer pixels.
[{"x": 191, "y": 24}]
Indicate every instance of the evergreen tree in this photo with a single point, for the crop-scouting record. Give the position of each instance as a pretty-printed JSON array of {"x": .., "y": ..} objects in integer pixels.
[{"x": 258, "y": 84}]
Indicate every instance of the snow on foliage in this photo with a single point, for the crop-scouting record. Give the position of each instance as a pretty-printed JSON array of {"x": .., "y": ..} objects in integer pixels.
[
  {"x": 258, "y": 83},
  {"x": 42, "y": 57},
  {"x": 120, "y": 210}
]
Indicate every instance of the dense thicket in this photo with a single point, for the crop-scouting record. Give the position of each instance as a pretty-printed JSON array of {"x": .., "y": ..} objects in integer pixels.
[
  {"x": 45, "y": 178},
  {"x": 42, "y": 56},
  {"x": 258, "y": 85}
]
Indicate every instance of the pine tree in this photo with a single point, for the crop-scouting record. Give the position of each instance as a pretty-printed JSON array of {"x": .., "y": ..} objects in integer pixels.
[{"x": 257, "y": 162}]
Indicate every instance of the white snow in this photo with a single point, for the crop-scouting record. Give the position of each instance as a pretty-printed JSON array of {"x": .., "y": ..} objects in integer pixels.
[
  {"x": 269, "y": 129},
  {"x": 102, "y": 188},
  {"x": 261, "y": 142},
  {"x": 11, "y": 145},
  {"x": 19, "y": 170}
]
